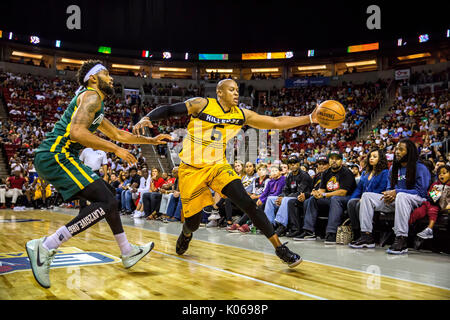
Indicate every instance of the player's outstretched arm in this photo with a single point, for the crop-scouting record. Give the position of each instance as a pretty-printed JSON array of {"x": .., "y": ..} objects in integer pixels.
[
  {"x": 191, "y": 106},
  {"x": 259, "y": 121},
  {"x": 89, "y": 103},
  {"x": 112, "y": 132}
]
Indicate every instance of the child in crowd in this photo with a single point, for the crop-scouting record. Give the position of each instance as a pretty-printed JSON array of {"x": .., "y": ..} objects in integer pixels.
[{"x": 439, "y": 200}]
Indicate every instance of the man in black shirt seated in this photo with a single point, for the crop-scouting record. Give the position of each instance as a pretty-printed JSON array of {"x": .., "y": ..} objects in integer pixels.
[
  {"x": 337, "y": 185},
  {"x": 296, "y": 206},
  {"x": 297, "y": 182}
]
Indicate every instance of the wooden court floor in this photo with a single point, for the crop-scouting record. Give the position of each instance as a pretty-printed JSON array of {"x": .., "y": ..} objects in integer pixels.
[{"x": 206, "y": 272}]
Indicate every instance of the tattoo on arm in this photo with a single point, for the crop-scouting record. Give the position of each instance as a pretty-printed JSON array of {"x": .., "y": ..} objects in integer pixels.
[
  {"x": 86, "y": 112},
  {"x": 195, "y": 104}
]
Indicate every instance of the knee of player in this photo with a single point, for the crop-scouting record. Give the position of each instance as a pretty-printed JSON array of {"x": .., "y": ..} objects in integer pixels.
[{"x": 111, "y": 206}]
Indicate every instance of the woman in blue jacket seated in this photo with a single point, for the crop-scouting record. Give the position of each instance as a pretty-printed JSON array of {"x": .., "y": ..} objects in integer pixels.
[{"x": 373, "y": 179}]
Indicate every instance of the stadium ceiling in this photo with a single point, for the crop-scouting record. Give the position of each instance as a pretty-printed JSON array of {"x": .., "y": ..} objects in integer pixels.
[{"x": 222, "y": 26}]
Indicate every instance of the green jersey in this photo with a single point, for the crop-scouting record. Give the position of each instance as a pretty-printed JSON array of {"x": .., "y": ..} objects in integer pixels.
[{"x": 58, "y": 141}]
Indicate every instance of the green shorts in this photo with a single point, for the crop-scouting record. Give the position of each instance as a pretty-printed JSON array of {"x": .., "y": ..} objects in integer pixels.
[{"x": 64, "y": 171}]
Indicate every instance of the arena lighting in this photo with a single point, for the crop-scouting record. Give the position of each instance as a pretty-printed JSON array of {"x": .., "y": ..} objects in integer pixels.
[
  {"x": 310, "y": 53},
  {"x": 146, "y": 54},
  {"x": 1, "y": 34},
  {"x": 363, "y": 47},
  {"x": 220, "y": 70},
  {"x": 265, "y": 70},
  {"x": 26, "y": 55},
  {"x": 213, "y": 56},
  {"x": 172, "y": 69},
  {"x": 186, "y": 56},
  {"x": 448, "y": 33},
  {"x": 414, "y": 56},
  {"x": 74, "y": 61},
  {"x": 125, "y": 66},
  {"x": 167, "y": 55},
  {"x": 106, "y": 50},
  {"x": 35, "y": 40},
  {"x": 318, "y": 67},
  {"x": 267, "y": 55},
  {"x": 399, "y": 42},
  {"x": 58, "y": 43},
  {"x": 361, "y": 63},
  {"x": 10, "y": 36},
  {"x": 424, "y": 38}
]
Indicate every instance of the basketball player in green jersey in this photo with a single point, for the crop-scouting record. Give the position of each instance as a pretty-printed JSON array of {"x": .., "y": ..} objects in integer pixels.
[{"x": 56, "y": 161}]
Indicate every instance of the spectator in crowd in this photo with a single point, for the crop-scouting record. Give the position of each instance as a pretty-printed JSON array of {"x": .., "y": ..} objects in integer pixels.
[
  {"x": 152, "y": 198},
  {"x": 276, "y": 209},
  {"x": 274, "y": 186},
  {"x": 249, "y": 176},
  {"x": 166, "y": 193},
  {"x": 173, "y": 212},
  {"x": 374, "y": 179},
  {"x": 285, "y": 169},
  {"x": 407, "y": 188},
  {"x": 355, "y": 170},
  {"x": 336, "y": 186},
  {"x": 42, "y": 192},
  {"x": 129, "y": 186},
  {"x": 13, "y": 189},
  {"x": 258, "y": 186},
  {"x": 144, "y": 185},
  {"x": 438, "y": 199},
  {"x": 296, "y": 206},
  {"x": 239, "y": 168}
]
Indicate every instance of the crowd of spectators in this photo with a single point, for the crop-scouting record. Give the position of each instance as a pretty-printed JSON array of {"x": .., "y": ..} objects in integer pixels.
[
  {"x": 429, "y": 77},
  {"x": 172, "y": 89}
]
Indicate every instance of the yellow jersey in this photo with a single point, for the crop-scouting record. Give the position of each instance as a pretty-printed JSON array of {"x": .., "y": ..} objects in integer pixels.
[{"x": 208, "y": 134}]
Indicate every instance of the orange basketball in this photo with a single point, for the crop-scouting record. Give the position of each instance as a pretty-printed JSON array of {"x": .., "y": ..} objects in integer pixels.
[{"x": 330, "y": 114}]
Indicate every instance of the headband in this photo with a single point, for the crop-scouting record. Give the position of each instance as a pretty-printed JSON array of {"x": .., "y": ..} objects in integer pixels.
[{"x": 94, "y": 70}]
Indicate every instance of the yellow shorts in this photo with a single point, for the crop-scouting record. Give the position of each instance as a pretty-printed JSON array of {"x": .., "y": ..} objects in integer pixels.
[{"x": 195, "y": 184}]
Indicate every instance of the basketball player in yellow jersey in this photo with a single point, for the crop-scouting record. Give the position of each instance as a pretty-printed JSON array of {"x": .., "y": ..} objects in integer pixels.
[{"x": 213, "y": 123}]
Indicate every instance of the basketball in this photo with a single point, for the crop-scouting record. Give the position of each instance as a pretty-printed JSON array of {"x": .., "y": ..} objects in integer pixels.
[{"x": 330, "y": 114}]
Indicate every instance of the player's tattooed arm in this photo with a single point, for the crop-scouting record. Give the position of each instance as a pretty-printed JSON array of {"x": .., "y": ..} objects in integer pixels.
[
  {"x": 112, "y": 132},
  {"x": 195, "y": 105},
  {"x": 89, "y": 103}
]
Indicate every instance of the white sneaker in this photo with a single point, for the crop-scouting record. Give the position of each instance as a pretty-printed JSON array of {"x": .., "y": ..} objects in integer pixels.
[
  {"x": 138, "y": 214},
  {"x": 212, "y": 224},
  {"x": 136, "y": 254},
  {"x": 40, "y": 261},
  {"x": 426, "y": 234},
  {"x": 214, "y": 216}
]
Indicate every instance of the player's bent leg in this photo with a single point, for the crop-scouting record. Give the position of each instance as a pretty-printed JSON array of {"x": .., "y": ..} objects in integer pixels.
[{"x": 235, "y": 191}]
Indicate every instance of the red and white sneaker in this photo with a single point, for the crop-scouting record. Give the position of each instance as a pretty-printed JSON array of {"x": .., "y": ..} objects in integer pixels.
[
  {"x": 244, "y": 228},
  {"x": 233, "y": 229}
]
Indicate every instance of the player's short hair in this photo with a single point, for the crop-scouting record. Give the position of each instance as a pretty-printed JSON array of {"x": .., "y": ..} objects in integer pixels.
[{"x": 84, "y": 69}]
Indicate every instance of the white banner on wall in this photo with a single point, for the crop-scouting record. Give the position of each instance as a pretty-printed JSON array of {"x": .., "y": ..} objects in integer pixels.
[{"x": 402, "y": 74}]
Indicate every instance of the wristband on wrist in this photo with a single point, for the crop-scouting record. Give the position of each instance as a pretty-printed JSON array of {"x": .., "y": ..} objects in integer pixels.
[
  {"x": 323, "y": 195},
  {"x": 310, "y": 118}
]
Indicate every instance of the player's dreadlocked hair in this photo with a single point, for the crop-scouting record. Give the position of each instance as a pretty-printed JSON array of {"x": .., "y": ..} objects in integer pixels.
[
  {"x": 85, "y": 67},
  {"x": 413, "y": 157}
]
